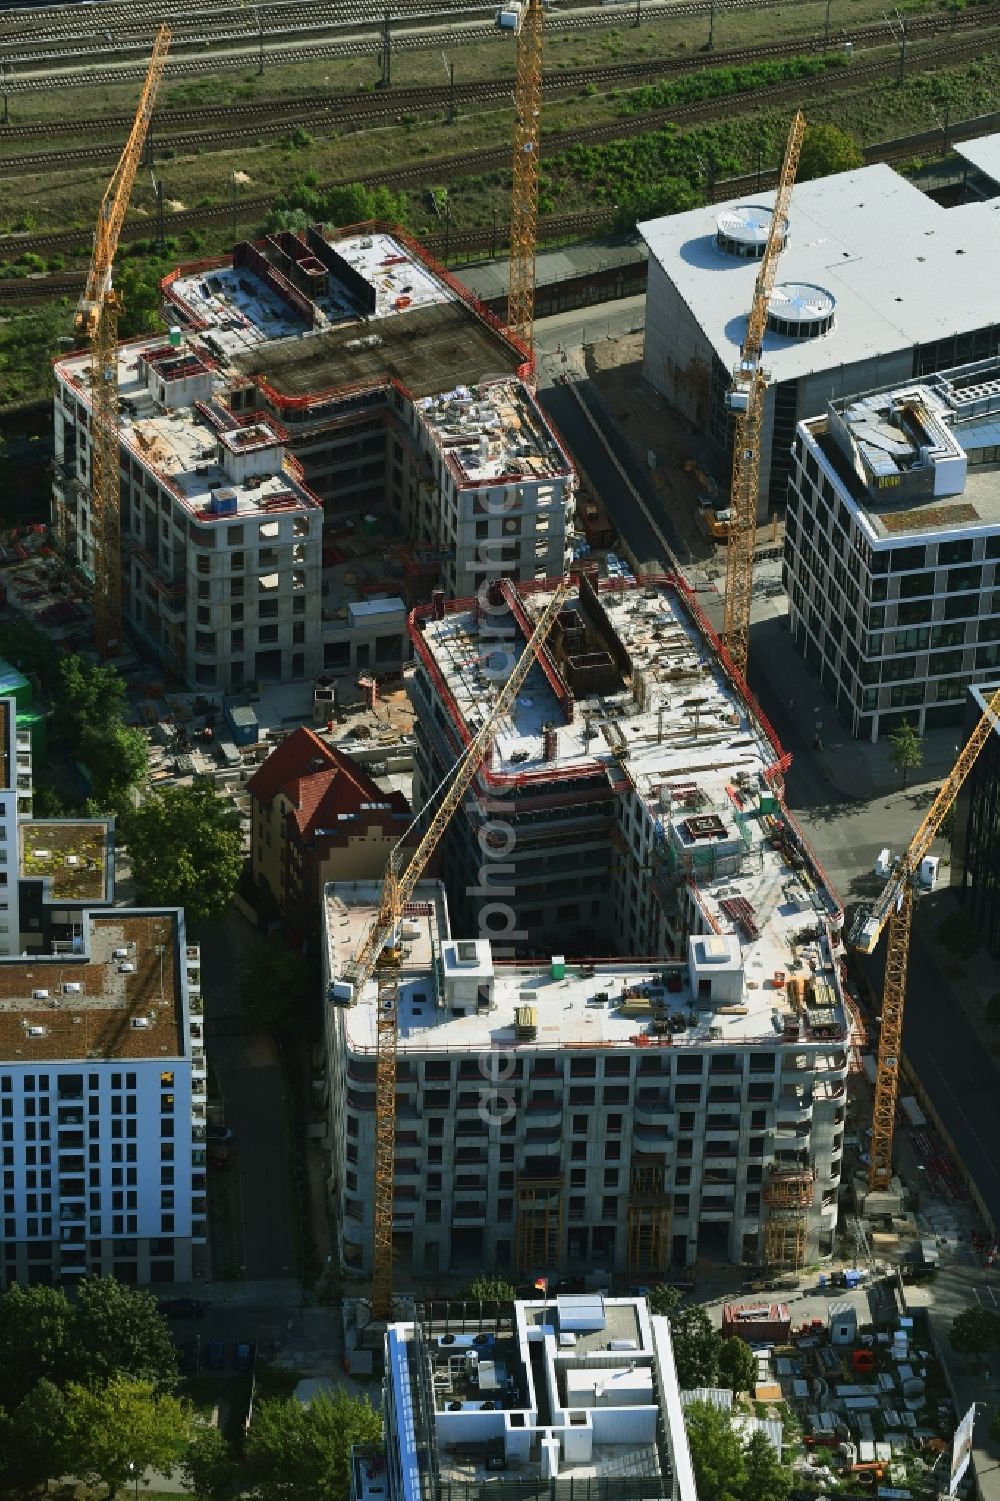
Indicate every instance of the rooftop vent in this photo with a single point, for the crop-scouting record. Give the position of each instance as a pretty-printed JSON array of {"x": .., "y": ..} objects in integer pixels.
[
  {"x": 743, "y": 231},
  {"x": 72, "y": 987},
  {"x": 40, "y": 995},
  {"x": 140, "y": 1023},
  {"x": 799, "y": 310}
]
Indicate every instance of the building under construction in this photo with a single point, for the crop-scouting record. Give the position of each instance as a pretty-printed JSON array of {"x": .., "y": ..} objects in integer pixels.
[
  {"x": 626, "y": 1113},
  {"x": 332, "y": 428}
]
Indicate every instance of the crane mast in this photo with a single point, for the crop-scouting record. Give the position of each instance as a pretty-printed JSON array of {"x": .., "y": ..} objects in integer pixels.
[
  {"x": 524, "y": 196},
  {"x": 746, "y": 399},
  {"x": 97, "y": 318},
  {"x": 380, "y": 954},
  {"x": 894, "y": 909}
]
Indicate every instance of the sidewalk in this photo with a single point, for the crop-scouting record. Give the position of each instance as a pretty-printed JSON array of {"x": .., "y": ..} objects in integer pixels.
[{"x": 856, "y": 769}]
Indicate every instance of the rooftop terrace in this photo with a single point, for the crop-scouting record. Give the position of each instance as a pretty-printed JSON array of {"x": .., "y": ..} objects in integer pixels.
[
  {"x": 119, "y": 998},
  {"x": 790, "y": 991},
  {"x": 579, "y": 1391},
  {"x": 74, "y": 856}
]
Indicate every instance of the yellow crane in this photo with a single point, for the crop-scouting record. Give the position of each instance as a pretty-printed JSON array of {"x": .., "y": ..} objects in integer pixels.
[
  {"x": 894, "y": 909},
  {"x": 97, "y": 319},
  {"x": 746, "y": 399},
  {"x": 524, "y": 195},
  {"x": 379, "y": 954}
]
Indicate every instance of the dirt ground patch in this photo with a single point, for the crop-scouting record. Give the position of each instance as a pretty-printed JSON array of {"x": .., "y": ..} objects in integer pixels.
[{"x": 652, "y": 426}]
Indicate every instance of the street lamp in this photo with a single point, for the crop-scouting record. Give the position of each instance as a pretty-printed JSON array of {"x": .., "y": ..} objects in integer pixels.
[{"x": 133, "y": 1470}]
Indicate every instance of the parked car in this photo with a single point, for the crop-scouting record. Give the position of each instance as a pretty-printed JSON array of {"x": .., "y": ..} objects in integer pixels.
[
  {"x": 219, "y": 1133},
  {"x": 215, "y": 1355},
  {"x": 181, "y": 1308},
  {"x": 243, "y": 1358}
]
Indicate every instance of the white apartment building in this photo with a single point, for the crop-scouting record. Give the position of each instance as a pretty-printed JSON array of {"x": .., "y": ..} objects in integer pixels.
[
  {"x": 877, "y": 284},
  {"x": 15, "y": 803},
  {"x": 329, "y": 423},
  {"x": 574, "y": 1396},
  {"x": 892, "y": 548},
  {"x": 622, "y": 1115},
  {"x": 102, "y": 1103}
]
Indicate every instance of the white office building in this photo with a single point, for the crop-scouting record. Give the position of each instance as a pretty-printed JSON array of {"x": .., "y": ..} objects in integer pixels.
[
  {"x": 892, "y": 548},
  {"x": 877, "y": 284}
]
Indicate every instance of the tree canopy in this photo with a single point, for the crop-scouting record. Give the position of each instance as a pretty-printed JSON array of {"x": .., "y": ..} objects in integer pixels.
[
  {"x": 827, "y": 149},
  {"x": 294, "y": 1451},
  {"x": 111, "y": 1329},
  {"x": 906, "y": 749},
  {"x": 696, "y": 1347},
  {"x": 489, "y": 1290},
  {"x": 277, "y": 986},
  {"x": 975, "y": 1331},
  {"x": 124, "y": 1423},
  {"x": 716, "y": 1454},
  {"x": 725, "y": 1467},
  {"x": 737, "y": 1365},
  {"x": 186, "y": 849},
  {"x": 88, "y": 696},
  {"x": 664, "y": 1299}
]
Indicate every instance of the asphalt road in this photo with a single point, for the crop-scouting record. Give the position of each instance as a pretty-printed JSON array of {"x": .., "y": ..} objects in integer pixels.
[{"x": 256, "y": 1224}]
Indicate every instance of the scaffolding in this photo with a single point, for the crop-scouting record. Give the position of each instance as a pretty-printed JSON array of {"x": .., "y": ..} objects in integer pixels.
[
  {"x": 649, "y": 1218},
  {"x": 538, "y": 1229},
  {"x": 788, "y": 1197}
]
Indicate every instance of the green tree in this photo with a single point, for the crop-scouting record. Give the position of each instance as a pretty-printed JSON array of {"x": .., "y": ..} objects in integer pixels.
[
  {"x": 209, "y": 1467},
  {"x": 186, "y": 849},
  {"x": 294, "y": 1451},
  {"x": 118, "y": 1330},
  {"x": 138, "y": 286},
  {"x": 827, "y": 149},
  {"x": 906, "y": 749},
  {"x": 737, "y": 1365},
  {"x": 664, "y": 1299},
  {"x": 489, "y": 1290},
  {"x": 117, "y": 758},
  {"x": 696, "y": 1347},
  {"x": 767, "y": 1478},
  {"x": 30, "y": 650},
  {"x": 33, "y": 1440},
  {"x": 124, "y": 1423},
  {"x": 277, "y": 986},
  {"x": 88, "y": 697},
  {"x": 35, "y": 1334},
  {"x": 716, "y": 1454},
  {"x": 975, "y": 1331}
]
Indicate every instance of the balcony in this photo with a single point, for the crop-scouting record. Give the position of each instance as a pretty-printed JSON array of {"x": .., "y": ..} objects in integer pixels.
[
  {"x": 469, "y": 1214},
  {"x": 72, "y": 1139}
]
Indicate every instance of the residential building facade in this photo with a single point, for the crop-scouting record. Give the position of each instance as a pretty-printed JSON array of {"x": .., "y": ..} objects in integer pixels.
[
  {"x": 892, "y": 549},
  {"x": 317, "y": 816},
  {"x": 102, "y": 1104},
  {"x": 328, "y": 424}
]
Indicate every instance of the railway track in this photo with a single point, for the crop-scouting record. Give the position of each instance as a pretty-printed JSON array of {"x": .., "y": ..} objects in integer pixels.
[
  {"x": 93, "y": 64},
  {"x": 447, "y": 169},
  {"x": 359, "y": 107},
  {"x": 486, "y": 238}
]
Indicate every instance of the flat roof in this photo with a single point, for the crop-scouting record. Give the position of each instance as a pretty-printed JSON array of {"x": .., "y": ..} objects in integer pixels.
[
  {"x": 129, "y": 1004},
  {"x": 983, "y": 153},
  {"x": 74, "y": 856},
  {"x": 903, "y": 269},
  {"x": 428, "y": 349}
]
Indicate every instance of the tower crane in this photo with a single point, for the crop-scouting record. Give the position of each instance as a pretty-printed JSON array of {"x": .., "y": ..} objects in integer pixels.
[
  {"x": 97, "y": 318},
  {"x": 746, "y": 399},
  {"x": 379, "y": 954},
  {"x": 894, "y": 909},
  {"x": 524, "y": 196}
]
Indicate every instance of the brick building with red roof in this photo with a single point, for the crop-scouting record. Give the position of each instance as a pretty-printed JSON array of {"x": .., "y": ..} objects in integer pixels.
[{"x": 317, "y": 816}]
